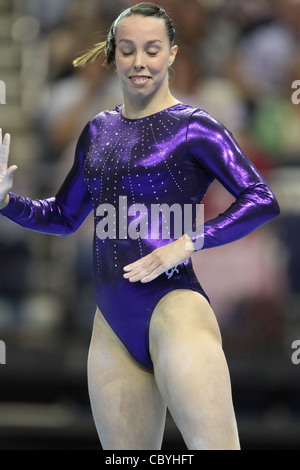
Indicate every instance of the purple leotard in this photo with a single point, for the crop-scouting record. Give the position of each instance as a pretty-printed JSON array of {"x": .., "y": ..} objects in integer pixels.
[{"x": 169, "y": 157}]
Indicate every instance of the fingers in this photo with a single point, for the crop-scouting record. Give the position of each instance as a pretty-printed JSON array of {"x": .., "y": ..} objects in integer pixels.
[
  {"x": 11, "y": 170},
  {"x": 4, "y": 152},
  {"x": 6, "y": 139},
  {"x": 153, "y": 275},
  {"x": 4, "y": 147},
  {"x": 163, "y": 258},
  {"x": 148, "y": 268},
  {"x": 134, "y": 265},
  {"x": 141, "y": 269},
  {"x": 6, "y": 174}
]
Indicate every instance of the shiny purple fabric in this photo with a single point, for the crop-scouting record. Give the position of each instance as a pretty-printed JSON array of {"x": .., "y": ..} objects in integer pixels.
[{"x": 169, "y": 158}]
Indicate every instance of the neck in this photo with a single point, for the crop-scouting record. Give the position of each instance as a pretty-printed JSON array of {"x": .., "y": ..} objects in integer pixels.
[{"x": 136, "y": 109}]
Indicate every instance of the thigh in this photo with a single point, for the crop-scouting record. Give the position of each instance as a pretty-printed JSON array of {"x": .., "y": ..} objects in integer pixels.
[
  {"x": 128, "y": 409},
  {"x": 182, "y": 313},
  {"x": 191, "y": 371}
]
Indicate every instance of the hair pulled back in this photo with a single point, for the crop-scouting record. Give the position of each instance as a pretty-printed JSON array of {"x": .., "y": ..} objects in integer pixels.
[{"x": 109, "y": 45}]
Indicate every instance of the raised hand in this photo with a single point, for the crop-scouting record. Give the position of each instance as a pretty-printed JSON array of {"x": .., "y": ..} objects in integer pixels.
[{"x": 6, "y": 174}]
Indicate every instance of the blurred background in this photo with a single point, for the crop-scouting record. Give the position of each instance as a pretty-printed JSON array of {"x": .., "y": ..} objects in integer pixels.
[{"x": 237, "y": 60}]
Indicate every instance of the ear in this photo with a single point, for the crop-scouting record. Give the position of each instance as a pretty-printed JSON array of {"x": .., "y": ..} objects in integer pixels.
[{"x": 172, "y": 56}]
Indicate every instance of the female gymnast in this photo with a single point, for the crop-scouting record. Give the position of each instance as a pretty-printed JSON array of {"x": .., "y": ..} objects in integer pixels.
[{"x": 156, "y": 343}]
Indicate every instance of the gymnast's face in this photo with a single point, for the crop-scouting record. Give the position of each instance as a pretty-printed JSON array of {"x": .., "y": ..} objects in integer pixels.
[{"x": 143, "y": 56}]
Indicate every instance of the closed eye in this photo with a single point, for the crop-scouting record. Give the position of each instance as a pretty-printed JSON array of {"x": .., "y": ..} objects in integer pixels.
[{"x": 150, "y": 53}]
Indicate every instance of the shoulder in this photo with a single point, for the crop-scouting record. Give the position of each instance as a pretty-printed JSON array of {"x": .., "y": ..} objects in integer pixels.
[
  {"x": 196, "y": 118},
  {"x": 94, "y": 127},
  {"x": 105, "y": 117},
  {"x": 203, "y": 125},
  {"x": 201, "y": 118}
]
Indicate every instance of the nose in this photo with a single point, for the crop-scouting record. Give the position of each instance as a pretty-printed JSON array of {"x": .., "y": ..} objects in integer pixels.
[
  {"x": 138, "y": 67},
  {"x": 138, "y": 62}
]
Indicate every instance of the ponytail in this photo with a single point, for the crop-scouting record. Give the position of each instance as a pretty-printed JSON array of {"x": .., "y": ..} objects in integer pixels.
[{"x": 91, "y": 55}]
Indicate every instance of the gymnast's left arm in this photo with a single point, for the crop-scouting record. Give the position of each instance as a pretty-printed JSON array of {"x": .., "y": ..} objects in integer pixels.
[{"x": 216, "y": 151}]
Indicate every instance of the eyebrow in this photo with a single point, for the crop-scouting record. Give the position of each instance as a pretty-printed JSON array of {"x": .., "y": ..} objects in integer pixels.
[{"x": 128, "y": 41}]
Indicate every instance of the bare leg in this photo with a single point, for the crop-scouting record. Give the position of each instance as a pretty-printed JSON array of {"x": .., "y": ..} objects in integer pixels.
[
  {"x": 191, "y": 371},
  {"x": 128, "y": 409}
]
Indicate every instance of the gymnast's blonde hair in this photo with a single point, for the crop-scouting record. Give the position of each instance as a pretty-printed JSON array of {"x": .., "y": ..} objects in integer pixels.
[{"x": 92, "y": 54}]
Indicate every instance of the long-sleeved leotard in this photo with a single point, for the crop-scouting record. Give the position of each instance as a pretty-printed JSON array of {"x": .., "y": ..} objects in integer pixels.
[{"x": 135, "y": 174}]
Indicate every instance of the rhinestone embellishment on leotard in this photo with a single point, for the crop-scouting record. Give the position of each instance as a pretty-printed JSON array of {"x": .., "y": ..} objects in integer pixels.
[{"x": 131, "y": 158}]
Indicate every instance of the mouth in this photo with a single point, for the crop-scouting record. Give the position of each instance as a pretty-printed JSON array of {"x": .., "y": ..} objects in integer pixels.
[{"x": 139, "y": 79}]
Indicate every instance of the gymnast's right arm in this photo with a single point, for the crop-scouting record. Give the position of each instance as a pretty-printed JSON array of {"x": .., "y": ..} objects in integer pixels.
[{"x": 60, "y": 215}]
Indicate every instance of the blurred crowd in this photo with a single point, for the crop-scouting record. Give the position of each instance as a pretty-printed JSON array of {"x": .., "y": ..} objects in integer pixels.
[{"x": 237, "y": 60}]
